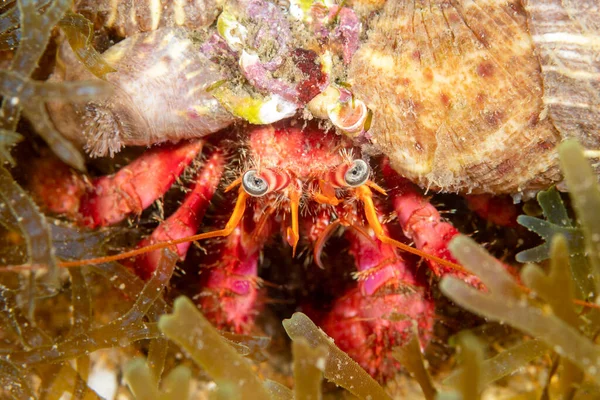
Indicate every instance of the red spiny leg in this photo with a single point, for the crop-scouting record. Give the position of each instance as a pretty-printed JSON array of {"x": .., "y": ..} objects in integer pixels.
[
  {"x": 186, "y": 220},
  {"x": 377, "y": 315},
  {"x": 136, "y": 186},
  {"x": 422, "y": 223},
  {"x": 229, "y": 296}
]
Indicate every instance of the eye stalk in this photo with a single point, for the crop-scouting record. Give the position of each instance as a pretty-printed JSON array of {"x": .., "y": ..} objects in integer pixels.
[
  {"x": 358, "y": 174},
  {"x": 254, "y": 185}
]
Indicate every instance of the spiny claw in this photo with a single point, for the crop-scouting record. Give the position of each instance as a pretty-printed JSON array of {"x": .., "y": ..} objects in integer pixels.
[
  {"x": 377, "y": 315},
  {"x": 136, "y": 186}
]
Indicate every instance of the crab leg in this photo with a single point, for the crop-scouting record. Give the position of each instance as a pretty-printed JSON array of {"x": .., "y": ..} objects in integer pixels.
[
  {"x": 230, "y": 281},
  {"x": 136, "y": 186},
  {"x": 365, "y": 195},
  {"x": 185, "y": 221},
  {"x": 422, "y": 223},
  {"x": 378, "y": 314}
]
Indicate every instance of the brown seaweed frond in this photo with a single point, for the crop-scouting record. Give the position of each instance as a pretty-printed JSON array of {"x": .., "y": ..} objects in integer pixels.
[
  {"x": 80, "y": 34},
  {"x": 339, "y": 367},
  {"x": 35, "y": 34},
  {"x": 38, "y": 353},
  {"x": 22, "y": 94},
  {"x": 19, "y": 212},
  {"x": 508, "y": 303},
  {"x": 122, "y": 331},
  {"x": 143, "y": 384},
  {"x": 233, "y": 374},
  {"x": 544, "y": 309},
  {"x": 314, "y": 353},
  {"x": 411, "y": 358}
]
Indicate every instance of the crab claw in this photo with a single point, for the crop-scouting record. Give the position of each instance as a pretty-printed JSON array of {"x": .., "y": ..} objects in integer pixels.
[
  {"x": 56, "y": 187},
  {"x": 230, "y": 281},
  {"x": 185, "y": 221},
  {"x": 422, "y": 223},
  {"x": 136, "y": 186},
  {"x": 378, "y": 314},
  {"x": 109, "y": 199}
]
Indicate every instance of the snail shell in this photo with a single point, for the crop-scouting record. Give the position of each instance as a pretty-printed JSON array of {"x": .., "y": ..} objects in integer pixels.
[
  {"x": 160, "y": 94},
  {"x": 566, "y": 34},
  {"x": 129, "y": 17},
  {"x": 457, "y": 95}
]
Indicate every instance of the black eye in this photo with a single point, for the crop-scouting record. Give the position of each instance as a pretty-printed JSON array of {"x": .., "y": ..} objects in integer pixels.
[
  {"x": 358, "y": 174},
  {"x": 253, "y": 184}
]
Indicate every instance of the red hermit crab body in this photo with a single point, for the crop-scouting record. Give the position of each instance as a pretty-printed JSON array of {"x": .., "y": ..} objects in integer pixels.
[
  {"x": 302, "y": 182},
  {"x": 281, "y": 68}
]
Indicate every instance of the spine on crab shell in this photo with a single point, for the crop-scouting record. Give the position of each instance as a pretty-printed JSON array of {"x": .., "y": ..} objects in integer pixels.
[
  {"x": 186, "y": 220},
  {"x": 137, "y": 185},
  {"x": 377, "y": 315}
]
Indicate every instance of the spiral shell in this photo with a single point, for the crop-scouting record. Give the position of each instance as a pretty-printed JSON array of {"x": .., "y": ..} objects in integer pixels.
[
  {"x": 566, "y": 34},
  {"x": 457, "y": 92},
  {"x": 129, "y": 17},
  {"x": 160, "y": 94}
]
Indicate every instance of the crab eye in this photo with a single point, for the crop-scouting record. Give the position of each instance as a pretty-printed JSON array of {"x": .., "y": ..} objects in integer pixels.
[
  {"x": 253, "y": 184},
  {"x": 357, "y": 174}
]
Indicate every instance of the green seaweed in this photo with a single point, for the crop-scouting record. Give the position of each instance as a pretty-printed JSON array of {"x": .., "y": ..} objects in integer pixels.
[
  {"x": 34, "y": 227},
  {"x": 411, "y": 358},
  {"x": 558, "y": 223},
  {"x": 139, "y": 377},
  {"x": 309, "y": 365},
  {"x": 12, "y": 380},
  {"x": 189, "y": 329},
  {"x": 585, "y": 194},
  {"x": 507, "y": 302},
  {"x": 277, "y": 391},
  {"x": 340, "y": 368},
  {"x": 80, "y": 34},
  {"x": 21, "y": 94},
  {"x": 504, "y": 363}
]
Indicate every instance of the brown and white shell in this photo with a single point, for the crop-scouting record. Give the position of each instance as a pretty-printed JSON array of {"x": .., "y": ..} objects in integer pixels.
[
  {"x": 160, "y": 94},
  {"x": 128, "y": 17},
  {"x": 460, "y": 99}
]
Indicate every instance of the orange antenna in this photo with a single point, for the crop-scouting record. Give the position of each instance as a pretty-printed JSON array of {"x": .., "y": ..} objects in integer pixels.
[
  {"x": 234, "y": 220},
  {"x": 366, "y": 196}
]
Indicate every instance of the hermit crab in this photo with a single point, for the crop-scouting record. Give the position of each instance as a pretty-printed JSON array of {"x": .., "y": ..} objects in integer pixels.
[{"x": 457, "y": 95}]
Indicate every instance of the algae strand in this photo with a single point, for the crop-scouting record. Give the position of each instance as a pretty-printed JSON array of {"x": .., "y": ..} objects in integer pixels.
[
  {"x": 504, "y": 363},
  {"x": 80, "y": 34},
  {"x": 14, "y": 382},
  {"x": 189, "y": 329},
  {"x": 309, "y": 364},
  {"x": 35, "y": 231},
  {"x": 583, "y": 188},
  {"x": 411, "y": 358},
  {"x": 513, "y": 307},
  {"x": 138, "y": 376},
  {"x": 340, "y": 368}
]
